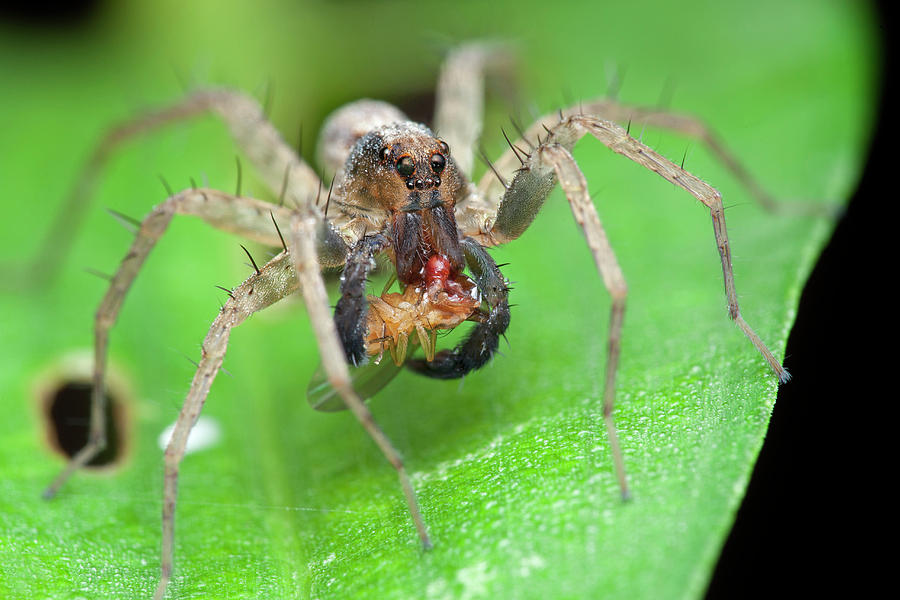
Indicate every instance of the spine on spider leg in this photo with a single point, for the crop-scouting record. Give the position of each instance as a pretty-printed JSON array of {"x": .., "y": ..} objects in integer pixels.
[
  {"x": 352, "y": 307},
  {"x": 480, "y": 345}
]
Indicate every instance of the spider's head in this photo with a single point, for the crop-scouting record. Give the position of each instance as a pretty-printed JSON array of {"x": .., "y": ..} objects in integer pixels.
[
  {"x": 401, "y": 167},
  {"x": 403, "y": 175}
]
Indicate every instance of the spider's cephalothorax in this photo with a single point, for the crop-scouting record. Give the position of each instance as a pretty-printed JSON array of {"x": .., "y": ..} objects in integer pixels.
[
  {"x": 405, "y": 177},
  {"x": 403, "y": 183}
]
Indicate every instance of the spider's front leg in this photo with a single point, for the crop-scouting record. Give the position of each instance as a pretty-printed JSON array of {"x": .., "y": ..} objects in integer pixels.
[
  {"x": 334, "y": 358},
  {"x": 246, "y": 217},
  {"x": 274, "y": 281},
  {"x": 522, "y": 201}
]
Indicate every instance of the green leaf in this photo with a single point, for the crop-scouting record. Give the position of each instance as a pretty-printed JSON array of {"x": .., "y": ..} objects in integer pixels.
[{"x": 512, "y": 465}]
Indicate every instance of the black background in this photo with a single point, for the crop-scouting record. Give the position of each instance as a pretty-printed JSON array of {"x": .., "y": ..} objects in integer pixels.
[{"x": 816, "y": 507}]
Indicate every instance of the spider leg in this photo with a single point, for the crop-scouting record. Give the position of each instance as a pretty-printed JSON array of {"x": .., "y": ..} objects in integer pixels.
[
  {"x": 686, "y": 125},
  {"x": 616, "y": 139},
  {"x": 257, "y": 138},
  {"x": 244, "y": 216},
  {"x": 534, "y": 180},
  {"x": 459, "y": 106},
  {"x": 480, "y": 345},
  {"x": 552, "y": 161},
  {"x": 334, "y": 361},
  {"x": 573, "y": 183},
  {"x": 274, "y": 280}
]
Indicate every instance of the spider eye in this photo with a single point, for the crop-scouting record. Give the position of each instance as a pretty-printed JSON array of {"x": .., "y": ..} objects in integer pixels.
[
  {"x": 445, "y": 149},
  {"x": 405, "y": 165},
  {"x": 385, "y": 153},
  {"x": 438, "y": 162}
]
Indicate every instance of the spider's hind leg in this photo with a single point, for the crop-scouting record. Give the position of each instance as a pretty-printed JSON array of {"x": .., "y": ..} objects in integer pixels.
[
  {"x": 480, "y": 345},
  {"x": 279, "y": 165},
  {"x": 460, "y": 96}
]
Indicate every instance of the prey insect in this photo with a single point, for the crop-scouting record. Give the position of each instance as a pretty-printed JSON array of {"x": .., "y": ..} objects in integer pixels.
[{"x": 401, "y": 190}]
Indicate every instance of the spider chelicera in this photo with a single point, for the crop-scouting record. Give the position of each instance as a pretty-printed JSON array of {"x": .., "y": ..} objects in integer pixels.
[{"x": 400, "y": 189}]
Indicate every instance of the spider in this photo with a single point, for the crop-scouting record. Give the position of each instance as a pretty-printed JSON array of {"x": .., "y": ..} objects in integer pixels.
[{"x": 400, "y": 189}]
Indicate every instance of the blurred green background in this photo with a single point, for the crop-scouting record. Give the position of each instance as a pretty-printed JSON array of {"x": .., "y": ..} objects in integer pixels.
[{"x": 512, "y": 465}]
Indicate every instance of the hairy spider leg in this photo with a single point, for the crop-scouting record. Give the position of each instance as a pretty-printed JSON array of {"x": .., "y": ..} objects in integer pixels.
[
  {"x": 536, "y": 177},
  {"x": 274, "y": 281},
  {"x": 257, "y": 138},
  {"x": 280, "y": 166},
  {"x": 352, "y": 307},
  {"x": 282, "y": 169},
  {"x": 679, "y": 123},
  {"x": 486, "y": 217},
  {"x": 459, "y": 108},
  {"x": 247, "y": 217},
  {"x": 334, "y": 360}
]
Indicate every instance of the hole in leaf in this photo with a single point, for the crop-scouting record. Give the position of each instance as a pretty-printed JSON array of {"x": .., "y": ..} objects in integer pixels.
[{"x": 68, "y": 420}]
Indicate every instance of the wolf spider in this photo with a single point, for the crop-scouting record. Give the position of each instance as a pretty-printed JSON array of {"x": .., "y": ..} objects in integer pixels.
[{"x": 403, "y": 191}]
